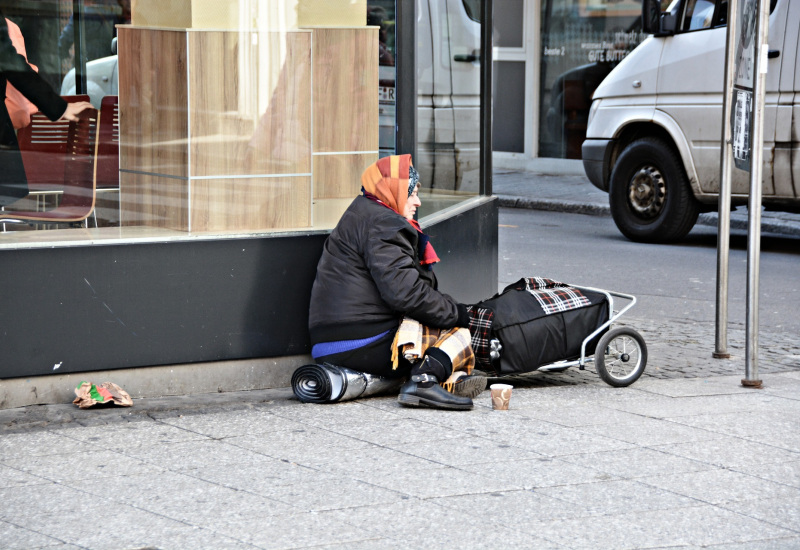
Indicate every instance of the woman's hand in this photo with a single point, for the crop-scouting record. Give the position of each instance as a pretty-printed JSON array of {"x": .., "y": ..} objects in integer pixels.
[{"x": 74, "y": 109}]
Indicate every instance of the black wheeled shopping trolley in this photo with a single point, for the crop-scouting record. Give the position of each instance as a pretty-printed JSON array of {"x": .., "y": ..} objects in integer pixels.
[{"x": 538, "y": 324}]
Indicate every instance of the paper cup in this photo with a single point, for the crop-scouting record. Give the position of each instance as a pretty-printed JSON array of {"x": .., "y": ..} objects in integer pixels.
[{"x": 501, "y": 395}]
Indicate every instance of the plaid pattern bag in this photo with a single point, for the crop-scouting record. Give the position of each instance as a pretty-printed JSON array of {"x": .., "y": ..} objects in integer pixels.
[
  {"x": 480, "y": 328},
  {"x": 555, "y": 296}
]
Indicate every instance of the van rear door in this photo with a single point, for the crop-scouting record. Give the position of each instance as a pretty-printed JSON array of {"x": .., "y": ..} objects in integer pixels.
[
  {"x": 691, "y": 83},
  {"x": 787, "y": 126},
  {"x": 778, "y": 27}
]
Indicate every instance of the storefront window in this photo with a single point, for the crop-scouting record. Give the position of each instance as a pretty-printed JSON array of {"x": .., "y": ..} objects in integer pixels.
[
  {"x": 232, "y": 118},
  {"x": 582, "y": 40},
  {"x": 448, "y": 95},
  {"x": 448, "y": 99},
  {"x": 381, "y": 13},
  {"x": 238, "y": 118}
]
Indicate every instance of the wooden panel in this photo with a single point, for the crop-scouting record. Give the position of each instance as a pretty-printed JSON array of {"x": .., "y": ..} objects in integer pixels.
[
  {"x": 345, "y": 89},
  {"x": 332, "y": 13},
  {"x": 153, "y": 101},
  {"x": 153, "y": 201},
  {"x": 162, "y": 13},
  {"x": 339, "y": 176},
  {"x": 327, "y": 212},
  {"x": 214, "y": 14},
  {"x": 250, "y": 204},
  {"x": 253, "y": 117}
]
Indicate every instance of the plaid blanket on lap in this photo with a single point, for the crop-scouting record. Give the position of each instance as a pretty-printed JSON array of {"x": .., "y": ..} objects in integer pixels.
[
  {"x": 413, "y": 338},
  {"x": 555, "y": 296}
]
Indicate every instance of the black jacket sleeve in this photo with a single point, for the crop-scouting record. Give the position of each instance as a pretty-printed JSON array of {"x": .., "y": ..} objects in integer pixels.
[
  {"x": 391, "y": 260},
  {"x": 16, "y": 70}
]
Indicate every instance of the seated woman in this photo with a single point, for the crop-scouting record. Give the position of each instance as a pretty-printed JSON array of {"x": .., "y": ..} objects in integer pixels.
[{"x": 376, "y": 270}]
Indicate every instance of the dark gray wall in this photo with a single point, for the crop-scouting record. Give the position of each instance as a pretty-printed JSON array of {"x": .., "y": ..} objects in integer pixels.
[
  {"x": 508, "y": 116},
  {"x": 467, "y": 246},
  {"x": 133, "y": 305}
]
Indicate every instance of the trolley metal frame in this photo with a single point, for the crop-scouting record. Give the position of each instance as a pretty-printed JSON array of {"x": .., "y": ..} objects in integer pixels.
[{"x": 612, "y": 316}]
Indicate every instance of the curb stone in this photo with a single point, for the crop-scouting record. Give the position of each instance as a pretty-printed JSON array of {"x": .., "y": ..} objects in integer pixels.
[{"x": 710, "y": 219}]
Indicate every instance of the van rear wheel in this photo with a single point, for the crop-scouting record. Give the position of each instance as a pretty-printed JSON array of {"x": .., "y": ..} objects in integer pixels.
[{"x": 649, "y": 194}]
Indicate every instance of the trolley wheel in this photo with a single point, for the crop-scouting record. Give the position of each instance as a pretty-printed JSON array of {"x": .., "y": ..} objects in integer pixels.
[{"x": 620, "y": 357}]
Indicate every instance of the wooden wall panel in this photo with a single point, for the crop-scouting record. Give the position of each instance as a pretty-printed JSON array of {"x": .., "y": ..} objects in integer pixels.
[
  {"x": 153, "y": 101},
  {"x": 332, "y": 13},
  {"x": 162, "y": 13},
  {"x": 345, "y": 77},
  {"x": 327, "y": 212},
  {"x": 154, "y": 201},
  {"x": 270, "y": 14},
  {"x": 220, "y": 110},
  {"x": 229, "y": 136},
  {"x": 250, "y": 204},
  {"x": 339, "y": 176},
  {"x": 282, "y": 140}
]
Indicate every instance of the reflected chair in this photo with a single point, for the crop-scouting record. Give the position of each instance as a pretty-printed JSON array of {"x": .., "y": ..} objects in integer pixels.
[
  {"x": 43, "y": 146},
  {"x": 74, "y": 179},
  {"x": 108, "y": 148}
]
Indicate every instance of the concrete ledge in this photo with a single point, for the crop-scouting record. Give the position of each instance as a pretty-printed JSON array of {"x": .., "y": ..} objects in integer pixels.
[{"x": 162, "y": 381}]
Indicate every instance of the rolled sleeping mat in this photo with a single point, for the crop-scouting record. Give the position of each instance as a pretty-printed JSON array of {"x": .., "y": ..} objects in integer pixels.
[{"x": 328, "y": 383}]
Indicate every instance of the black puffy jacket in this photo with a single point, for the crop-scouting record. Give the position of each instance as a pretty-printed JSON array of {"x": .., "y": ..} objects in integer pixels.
[{"x": 369, "y": 277}]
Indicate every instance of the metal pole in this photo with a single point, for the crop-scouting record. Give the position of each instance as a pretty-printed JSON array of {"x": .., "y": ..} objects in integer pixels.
[
  {"x": 754, "y": 204},
  {"x": 726, "y": 160},
  {"x": 405, "y": 78},
  {"x": 486, "y": 98},
  {"x": 79, "y": 44}
]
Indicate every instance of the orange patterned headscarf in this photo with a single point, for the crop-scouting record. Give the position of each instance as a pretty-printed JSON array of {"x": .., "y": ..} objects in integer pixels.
[{"x": 387, "y": 179}]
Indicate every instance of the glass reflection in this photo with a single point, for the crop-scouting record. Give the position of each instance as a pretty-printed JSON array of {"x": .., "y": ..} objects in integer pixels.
[
  {"x": 448, "y": 98},
  {"x": 581, "y": 42},
  {"x": 381, "y": 13},
  {"x": 251, "y": 121}
]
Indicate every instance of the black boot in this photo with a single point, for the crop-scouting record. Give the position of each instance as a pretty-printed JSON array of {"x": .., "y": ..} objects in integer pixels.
[{"x": 424, "y": 390}]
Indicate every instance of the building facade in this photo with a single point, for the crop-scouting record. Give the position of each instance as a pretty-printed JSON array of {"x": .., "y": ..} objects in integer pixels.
[{"x": 229, "y": 138}]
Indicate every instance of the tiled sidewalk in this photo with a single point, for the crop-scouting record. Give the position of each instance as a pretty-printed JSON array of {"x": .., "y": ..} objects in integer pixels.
[{"x": 678, "y": 463}]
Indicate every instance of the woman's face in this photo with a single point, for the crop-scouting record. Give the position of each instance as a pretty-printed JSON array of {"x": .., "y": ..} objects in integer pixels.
[{"x": 412, "y": 204}]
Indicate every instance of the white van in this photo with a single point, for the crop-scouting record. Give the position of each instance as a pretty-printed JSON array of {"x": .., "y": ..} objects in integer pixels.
[{"x": 655, "y": 125}]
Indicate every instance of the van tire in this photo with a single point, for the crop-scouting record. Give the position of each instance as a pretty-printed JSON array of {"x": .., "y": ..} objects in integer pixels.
[{"x": 649, "y": 193}]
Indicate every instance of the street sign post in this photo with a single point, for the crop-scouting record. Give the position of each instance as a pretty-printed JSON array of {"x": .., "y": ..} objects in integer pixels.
[
  {"x": 724, "y": 217},
  {"x": 744, "y": 100}
]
